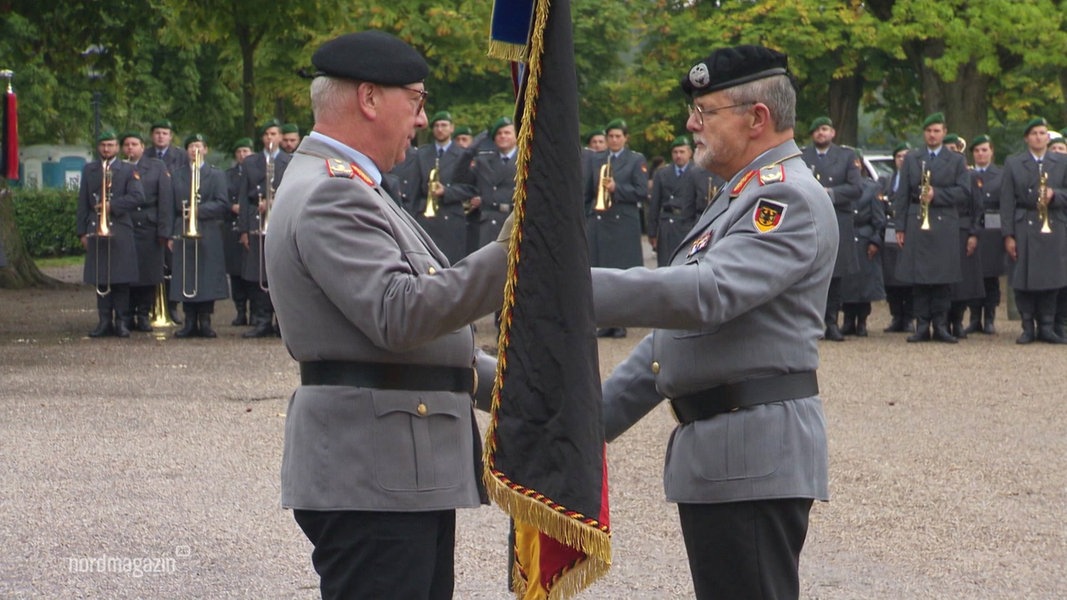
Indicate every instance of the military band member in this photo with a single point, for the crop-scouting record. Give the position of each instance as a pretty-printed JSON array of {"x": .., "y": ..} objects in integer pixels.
[
  {"x": 109, "y": 240},
  {"x": 448, "y": 225},
  {"x": 680, "y": 192},
  {"x": 232, "y": 247},
  {"x": 290, "y": 137},
  {"x": 494, "y": 184},
  {"x": 615, "y": 230},
  {"x": 866, "y": 285},
  {"x": 463, "y": 136},
  {"x": 163, "y": 148},
  {"x": 838, "y": 169},
  {"x": 1059, "y": 146},
  {"x": 957, "y": 144},
  {"x": 255, "y": 193},
  {"x": 152, "y": 223},
  {"x": 199, "y": 276},
  {"x": 403, "y": 181},
  {"x": 897, "y": 292},
  {"x": 929, "y": 238},
  {"x": 738, "y": 315},
  {"x": 1036, "y": 258},
  {"x": 971, "y": 286},
  {"x": 1057, "y": 143},
  {"x": 985, "y": 186}
]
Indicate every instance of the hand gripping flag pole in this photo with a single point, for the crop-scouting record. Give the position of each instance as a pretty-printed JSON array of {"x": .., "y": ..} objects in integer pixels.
[{"x": 544, "y": 451}]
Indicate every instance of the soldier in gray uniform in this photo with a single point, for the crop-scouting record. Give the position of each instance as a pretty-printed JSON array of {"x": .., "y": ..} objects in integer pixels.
[
  {"x": 897, "y": 292},
  {"x": 680, "y": 193},
  {"x": 738, "y": 313},
  {"x": 838, "y": 169},
  {"x": 490, "y": 195},
  {"x": 403, "y": 181},
  {"x": 151, "y": 226},
  {"x": 971, "y": 286},
  {"x": 290, "y": 138},
  {"x": 250, "y": 224},
  {"x": 380, "y": 439},
  {"x": 929, "y": 258},
  {"x": 985, "y": 186},
  {"x": 232, "y": 246},
  {"x": 110, "y": 244},
  {"x": 199, "y": 276},
  {"x": 163, "y": 148},
  {"x": 866, "y": 285},
  {"x": 1036, "y": 257},
  {"x": 615, "y": 232},
  {"x": 448, "y": 225}
]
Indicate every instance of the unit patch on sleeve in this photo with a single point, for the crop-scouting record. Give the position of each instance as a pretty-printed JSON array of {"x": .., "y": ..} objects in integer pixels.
[{"x": 768, "y": 215}]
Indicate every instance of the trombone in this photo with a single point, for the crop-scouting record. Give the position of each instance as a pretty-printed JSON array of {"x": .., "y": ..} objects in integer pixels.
[
  {"x": 924, "y": 190},
  {"x": 431, "y": 200},
  {"x": 190, "y": 231},
  {"x": 603, "y": 196},
  {"x": 266, "y": 202},
  {"x": 103, "y": 227},
  {"x": 1042, "y": 204},
  {"x": 160, "y": 314}
]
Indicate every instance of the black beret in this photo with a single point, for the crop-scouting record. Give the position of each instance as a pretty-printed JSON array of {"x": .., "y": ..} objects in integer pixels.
[
  {"x": 728, "y": 67},
  {"x": 372, "y": 56}
]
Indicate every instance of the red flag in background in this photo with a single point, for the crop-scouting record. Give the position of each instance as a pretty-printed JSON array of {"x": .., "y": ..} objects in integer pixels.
[
  {"x": 544, "y": 450},
  {"x": 10, "y": 149}
]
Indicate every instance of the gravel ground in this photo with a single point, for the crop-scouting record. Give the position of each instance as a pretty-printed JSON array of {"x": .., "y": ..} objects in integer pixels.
[{"x": 148, "y": 468}]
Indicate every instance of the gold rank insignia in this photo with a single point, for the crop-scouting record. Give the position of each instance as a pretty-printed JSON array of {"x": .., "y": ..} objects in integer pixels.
[
  {"x": 741, "y": 184},
  {"x": 768, "y": 215},
  {"x": 771, "y": 174},
  {"x": 339, "y": 168}
]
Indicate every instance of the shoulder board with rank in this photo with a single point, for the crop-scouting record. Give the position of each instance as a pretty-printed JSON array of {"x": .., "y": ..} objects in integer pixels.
[
  {"x": 339, "y": 168},
  {"x": 771, "y": 174}
]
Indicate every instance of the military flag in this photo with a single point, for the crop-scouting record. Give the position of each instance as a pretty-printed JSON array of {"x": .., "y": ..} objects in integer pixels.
[
  {"x": 10, "y": 145},
  {"x": 544, "y": 450}
]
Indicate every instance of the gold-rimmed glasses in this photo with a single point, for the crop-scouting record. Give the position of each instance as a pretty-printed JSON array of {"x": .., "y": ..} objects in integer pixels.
[
  {"x": 423, "y": 94},
  {"x": 699, "y": 111}
]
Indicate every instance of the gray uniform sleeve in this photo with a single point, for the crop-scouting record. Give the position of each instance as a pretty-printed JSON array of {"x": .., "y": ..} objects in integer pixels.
[{"x": 630, "y": 392}]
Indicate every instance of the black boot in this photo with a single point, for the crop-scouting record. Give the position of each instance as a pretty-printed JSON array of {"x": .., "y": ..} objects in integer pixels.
[
  {"x": 140, "y": 320},
  {"x": 848, "y": 326},
  {"x": 896, "y": 325},
  {"x": 620, "y": 332},
  {"x": 922, "y": 332},
  {"x": 205, "y": 325},
  {"x": 833, "y": 333},
  {"x": 975, "y": 326},
  {"x": 1059, "y": 326},
  {"x": 1046, "y": 333},
  {"x": 1028, "y": 330},
  {"x": 263, "y": 328},
  {"x": 191, "y": 328},
  {"x": 990, "y": 316},
  {"x": 941, "y": 332},
  {"x": 242, "y": 316},
  {"x": 957, "y": 330},
  {"x": 861, "y": 326},
  {"x": 104, "y": 328},
  {"x": 122, "y": 326}
]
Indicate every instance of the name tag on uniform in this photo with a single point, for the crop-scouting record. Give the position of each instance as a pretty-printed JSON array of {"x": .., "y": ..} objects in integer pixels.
[
  {"x": 992, "y": 220},
  {"x": 890, "y": 235}
]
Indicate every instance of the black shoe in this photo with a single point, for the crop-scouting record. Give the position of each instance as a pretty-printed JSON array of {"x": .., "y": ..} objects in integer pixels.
[
  {"x": 848, "y": 327},
  {"x": 103, "y": 328},
  {"x": 190, "y": 329},
  {"x": 941, "y": 333},
  {"x": 861, "y": 326},
  {"x": 241, "y": 319},
  {"x": 896, "y": 325},
  {"x": 833, "y": 333},
  {"x": 975, "y": 326},
  {"x": 122, "y": 328},
  {"x": 619, "y": 332},
  {"x": 263, "y": 329},
  {"x": 1027, "y": 335},
  {"x": 140, "y": 323},
  {"x": 205, "y": 326},
  {"x": 1045, "y": 333},
  {"x": 604, "y": 332},
  {"x": 989, "y": 328},
  {"x": 922, "y": 332},
  {"x": 957, "y": 330}
]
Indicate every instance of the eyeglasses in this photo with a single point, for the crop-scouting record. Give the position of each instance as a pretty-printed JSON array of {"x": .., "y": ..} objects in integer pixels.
[
  {"x": 700, "y": 112},
  {"x": 423, "y": 94}
]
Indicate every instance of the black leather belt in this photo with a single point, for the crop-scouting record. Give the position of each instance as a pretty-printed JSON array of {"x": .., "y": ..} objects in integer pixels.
[
  {"x": 674, "y": 211},
  {"x": 385, "y": 376},
  {"x": 733, "y": 396}
]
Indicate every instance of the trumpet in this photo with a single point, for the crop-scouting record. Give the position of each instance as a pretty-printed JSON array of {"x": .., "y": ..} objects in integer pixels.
[
  {"x": 603, "y": 196},
  {"x": 190, "y": 231},
  {"x": 924, "y": 190},
  {"x": 1042, "y": 204},
  {"x": 431, "y": 200},
  {"x": 103, "y": 227},
  {"x": 267, "y": 201}
]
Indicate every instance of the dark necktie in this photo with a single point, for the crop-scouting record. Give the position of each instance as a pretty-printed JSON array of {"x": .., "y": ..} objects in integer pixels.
[
  {"x": 678, "y": 171},
  {"x": 822, "y": 156},
  {"x": 933, "y": 155},
  {"x": 440, "y": 152},
  {"x": 505, "y": 159}
]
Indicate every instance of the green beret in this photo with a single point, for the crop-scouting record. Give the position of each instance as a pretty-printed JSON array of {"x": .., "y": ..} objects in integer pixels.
[
  {"x": 243, "y": 143},
  {"x": 106, "y": 135},
  {"x": 951, "y": 138},
  {"x": 290, "y": 128},
  {"x": 982, "y": 139},
  {"x": 162, "y": 124},
  {"x": 934, "y": 119},
  {"x": 1035, "y": 122},
  {"x": 372, "y": 56},
  {"x": 268, "y": 124},
  {"x": 819, "y": 122},
  {"x": 498, "y": 124},
  {"x": 728, "y": 67},
  {"x": 590, "y": 135},
  {"x": 462, "y": 130},
  {"x": 901, "y": 147},
  {"x": 196, "y": 137},
  {"x": 441, "y": 115},
  {"x": 616, "y": 124},
  {"x": 680, "y": 141},
  {"x": 130, "y": 134}
]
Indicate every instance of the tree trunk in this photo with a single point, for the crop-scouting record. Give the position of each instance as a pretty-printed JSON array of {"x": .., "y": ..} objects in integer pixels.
[
  {"x": 845, "y": 96},
  {"x": 21, "y": 272},
  {"x": 967, "y": 103}
]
